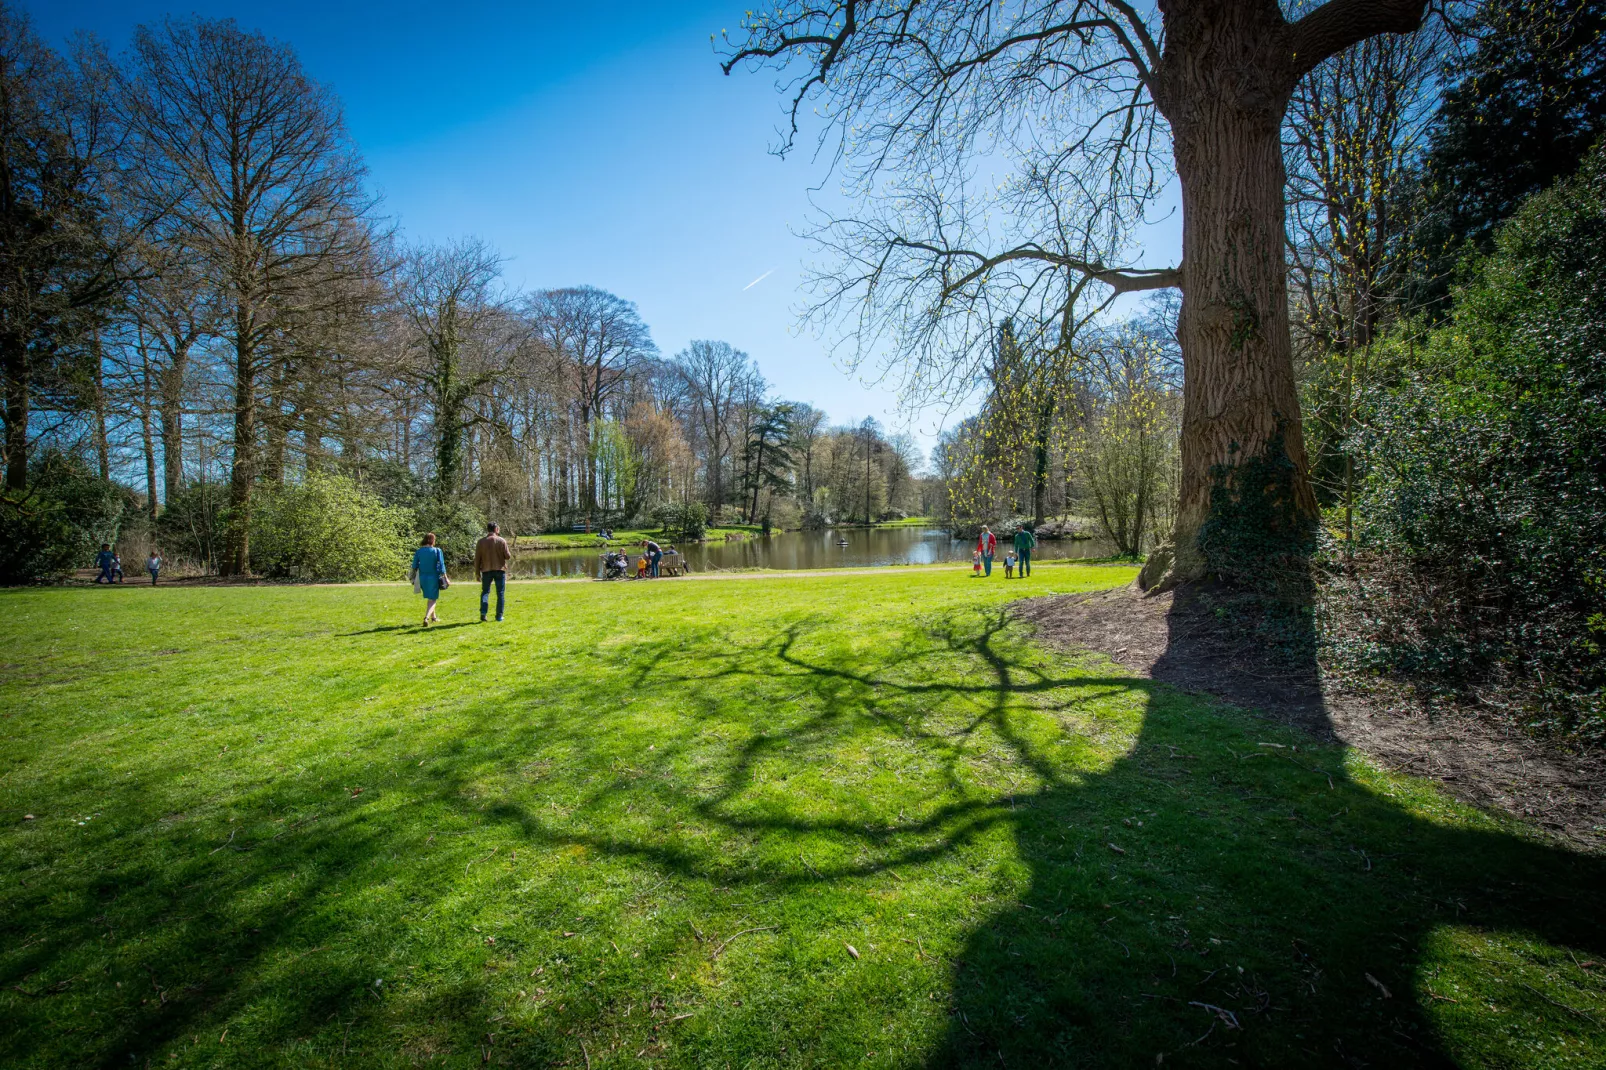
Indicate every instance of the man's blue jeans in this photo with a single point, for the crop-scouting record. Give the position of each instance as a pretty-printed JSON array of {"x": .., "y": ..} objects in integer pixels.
[
  {"x": 656, "y": 557},
  {"x": 488, "y": 577}
]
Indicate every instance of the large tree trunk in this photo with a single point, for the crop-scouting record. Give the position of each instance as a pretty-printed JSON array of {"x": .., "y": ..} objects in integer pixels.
[
  {"x": 172, "y": 421},
  {"x": 237, "y": 542},
  {"x": 1227, "y": 84},
  {"x": 148, "y": 443},
  {"x": 276, "y": 427},
  {"x": 1045, "y": 416},
  {"x": 17, "y": 373},
  {"x": 103, "y": 451}
]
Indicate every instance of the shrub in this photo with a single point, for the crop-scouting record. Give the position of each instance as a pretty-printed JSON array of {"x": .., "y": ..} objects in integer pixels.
[
  {"x": 689, "y": 522},
  {"x": 457, "y": 525},
  {"x": 192, "y": 523},
  {"x": 1483, "y": 553},
  {"x": 328, "y": 528},
  {"x": 59, "y": 521}
]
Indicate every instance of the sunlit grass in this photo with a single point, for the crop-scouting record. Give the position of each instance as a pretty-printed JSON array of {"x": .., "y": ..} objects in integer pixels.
[{"x": 787, "y": 820}]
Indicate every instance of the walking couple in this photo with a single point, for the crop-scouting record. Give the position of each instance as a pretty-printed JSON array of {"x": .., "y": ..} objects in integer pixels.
[{"x": 491, "y": 555}]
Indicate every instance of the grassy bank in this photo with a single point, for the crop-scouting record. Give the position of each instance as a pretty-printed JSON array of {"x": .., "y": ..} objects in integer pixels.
[
  {"x": 905, "y": 522},
  {"x": 838, "y": 820},
  {"x": 582, "y": 540}
]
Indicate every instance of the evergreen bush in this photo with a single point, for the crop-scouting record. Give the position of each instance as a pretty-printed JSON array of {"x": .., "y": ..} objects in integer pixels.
[
  {"x": 1483, "y": 552},
  {"x": 58, "y": 522}
]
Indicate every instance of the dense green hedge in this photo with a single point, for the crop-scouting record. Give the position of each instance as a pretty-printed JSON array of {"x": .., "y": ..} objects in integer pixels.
[
  {"x": 1485, "y": 538},
  {"x": 59, "y": 521}
]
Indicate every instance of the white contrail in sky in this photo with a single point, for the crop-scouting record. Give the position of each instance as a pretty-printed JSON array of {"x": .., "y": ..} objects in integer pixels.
[{"x": 758, "y": 280}]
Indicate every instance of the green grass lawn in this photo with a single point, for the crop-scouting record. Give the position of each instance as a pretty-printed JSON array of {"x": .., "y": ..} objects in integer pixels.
[{"x": 841, "y": 820}]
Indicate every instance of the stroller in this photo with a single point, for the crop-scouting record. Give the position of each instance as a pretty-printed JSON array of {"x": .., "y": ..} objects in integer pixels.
[{"x": 615, "y": 565}]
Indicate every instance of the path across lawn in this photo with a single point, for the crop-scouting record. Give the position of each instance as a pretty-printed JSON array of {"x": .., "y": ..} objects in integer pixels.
[{"x": 853, "y": 819}]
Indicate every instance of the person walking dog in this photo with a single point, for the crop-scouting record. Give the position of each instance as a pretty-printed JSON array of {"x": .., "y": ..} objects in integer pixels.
[
  {"x": 491, "y": 555},
  {"x": 1025, "y": 543},
  {"x": 987, "y": 546},
  {"x": 428, "y": 575}
]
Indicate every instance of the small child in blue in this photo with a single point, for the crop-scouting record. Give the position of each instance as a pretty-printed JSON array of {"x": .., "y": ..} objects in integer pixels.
[
  {"x": 153, "y": 565},
  {"x": 106, "y": 561}
]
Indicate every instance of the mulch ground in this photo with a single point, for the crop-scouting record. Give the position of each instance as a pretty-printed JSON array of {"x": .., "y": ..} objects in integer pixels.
[{"x": 1187, "y": 638}]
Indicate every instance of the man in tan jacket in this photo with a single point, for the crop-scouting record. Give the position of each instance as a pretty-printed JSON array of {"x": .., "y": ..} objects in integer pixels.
[{"x": 491, "y": 555}]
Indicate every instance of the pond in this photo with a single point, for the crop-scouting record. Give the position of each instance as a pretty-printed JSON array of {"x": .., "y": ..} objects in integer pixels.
[{"x": 809, "y": 549}]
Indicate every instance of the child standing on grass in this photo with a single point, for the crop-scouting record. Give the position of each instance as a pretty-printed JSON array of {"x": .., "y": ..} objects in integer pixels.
[
  {"x": 975, "y": 563},
  {"x": 1009, "y": 565}
]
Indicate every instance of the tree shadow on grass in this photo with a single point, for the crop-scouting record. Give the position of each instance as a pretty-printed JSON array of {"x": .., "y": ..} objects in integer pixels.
[
  {"x": 1226, "y": 893},
  {"x": 1229, "y": 894},
  {"x": 1186, "y": 891}
]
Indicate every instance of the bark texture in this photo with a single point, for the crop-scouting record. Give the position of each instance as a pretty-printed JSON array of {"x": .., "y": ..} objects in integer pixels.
[
  {"x": 172, "y": 423},
  {"x": 242, "y": 474},
  {"x": 1228, "y": 71}
]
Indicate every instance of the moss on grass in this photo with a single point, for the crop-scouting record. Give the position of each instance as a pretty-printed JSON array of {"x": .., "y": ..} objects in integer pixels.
[{"x": 284, "y": 827}]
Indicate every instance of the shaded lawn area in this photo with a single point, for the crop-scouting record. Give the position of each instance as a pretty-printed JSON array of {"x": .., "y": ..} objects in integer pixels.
[{"x": 813, "y": 821}]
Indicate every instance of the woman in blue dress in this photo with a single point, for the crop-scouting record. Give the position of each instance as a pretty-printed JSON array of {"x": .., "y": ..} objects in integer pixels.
[{"x": 429, "y": 575}]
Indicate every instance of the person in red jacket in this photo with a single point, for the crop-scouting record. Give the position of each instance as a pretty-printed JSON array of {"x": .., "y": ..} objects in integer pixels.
[{"x": 987, "y": 545}]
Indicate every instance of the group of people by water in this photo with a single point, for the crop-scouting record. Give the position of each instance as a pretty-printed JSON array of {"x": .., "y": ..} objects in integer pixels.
[
  {"x": 427, "y": 572},
  {"x": 1019, "y": 556}
]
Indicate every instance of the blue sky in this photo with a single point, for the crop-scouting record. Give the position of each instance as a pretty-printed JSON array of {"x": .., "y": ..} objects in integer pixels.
[{"x": 590, "y": 143}]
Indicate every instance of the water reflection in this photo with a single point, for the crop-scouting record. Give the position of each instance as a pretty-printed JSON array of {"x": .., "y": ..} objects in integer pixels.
[{"x": 844, "y": 548}]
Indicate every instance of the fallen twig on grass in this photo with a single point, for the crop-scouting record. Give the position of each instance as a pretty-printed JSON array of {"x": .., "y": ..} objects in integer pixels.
[
  {"x": 472, "y": 861},
  {"x": 298, "y": 824},
  {"x": 224, "y": 844},
  {"x": 1227, "y": 1017},
  {"x": 810, "y": 868},
  {"x": 1555, "y": 1003},
  {"x": 744, "y": 932}
]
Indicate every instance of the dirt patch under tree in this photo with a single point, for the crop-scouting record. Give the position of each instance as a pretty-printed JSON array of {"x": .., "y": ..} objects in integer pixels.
[{"x": 1202, "y": 640}]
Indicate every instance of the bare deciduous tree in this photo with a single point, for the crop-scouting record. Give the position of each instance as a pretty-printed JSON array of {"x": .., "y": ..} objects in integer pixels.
[
  {"x": 717, "y": 377},
  {"x": 447, "y": 294},
  {"x": 604, "y": 343},
  {"x": 1086, "y": 96},
  {"x": 253, "y": 160}
]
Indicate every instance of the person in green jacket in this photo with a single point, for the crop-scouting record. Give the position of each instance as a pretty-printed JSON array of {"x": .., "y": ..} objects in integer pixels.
[{"x": 1024, "y": 542}]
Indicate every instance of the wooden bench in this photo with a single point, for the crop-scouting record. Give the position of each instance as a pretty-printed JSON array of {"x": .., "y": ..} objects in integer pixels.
[{"x": 673, "y": 564}]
